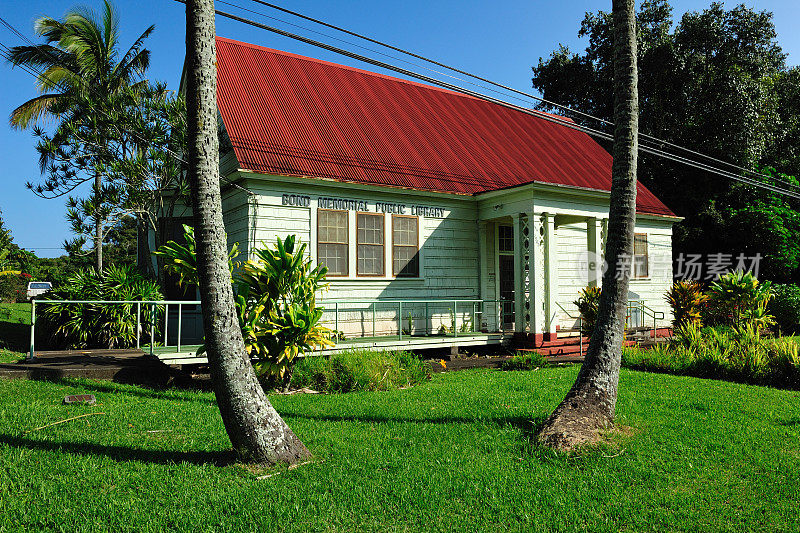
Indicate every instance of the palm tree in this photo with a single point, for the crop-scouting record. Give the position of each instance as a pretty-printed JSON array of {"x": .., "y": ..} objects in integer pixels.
[
  {"x": 78, "y": 64},
  {"x": 590, "y": 404},
  {"x": 256, "y": 430}
]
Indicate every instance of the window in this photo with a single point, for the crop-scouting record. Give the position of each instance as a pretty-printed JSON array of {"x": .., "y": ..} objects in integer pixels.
[
  {"x": 640, "y": 263},
  {"x": 505, "y": 239},
  {"x": 332, "y": 241},
  {"x": 369, "y": 245},
  {"x": 172, "y": 230},
  {"x": 405, "y": 246}
]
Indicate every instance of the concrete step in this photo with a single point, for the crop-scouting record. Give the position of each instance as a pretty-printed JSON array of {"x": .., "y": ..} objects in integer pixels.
[
  {"x": 565, "y": 341},
  {"x": 552, "y": 351}
]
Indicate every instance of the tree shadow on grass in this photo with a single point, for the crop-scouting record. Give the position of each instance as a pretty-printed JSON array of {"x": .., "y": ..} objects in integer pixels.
[
  {"x": 14, "y": 336},
  {"x": 181, "y": 393},
  {"x": 121, "y": 453},
  {"x": 528, "y": 426}
]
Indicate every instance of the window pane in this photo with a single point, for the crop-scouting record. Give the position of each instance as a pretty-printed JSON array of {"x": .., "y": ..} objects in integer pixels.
[
  {"x": 505, "y": 238},
  {"x": 370, "y": 229},
  {"x": 332, "y": 226},
  {"x": 406, "y": 261},
  {"x": 640, "y": 266},
  {"x": 640, "y": 244},
  {"x": 370, "y": 260},
  {"x": 404, "y": 231},
  {"x": 333, "y": 256}
]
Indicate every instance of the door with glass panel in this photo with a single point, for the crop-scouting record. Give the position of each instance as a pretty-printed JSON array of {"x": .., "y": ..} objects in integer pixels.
[{"x": 505, "y": 252}]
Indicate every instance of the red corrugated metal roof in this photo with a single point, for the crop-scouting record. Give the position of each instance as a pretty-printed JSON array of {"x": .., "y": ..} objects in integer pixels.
[{"x": 292, "y": 115}]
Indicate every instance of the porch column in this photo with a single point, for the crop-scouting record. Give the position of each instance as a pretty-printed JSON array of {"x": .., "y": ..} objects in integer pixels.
[
  {"x": 537, "y": 277},
  {"x": 483, "y": 273},
  {"x": 551, "y": 274},
  {"x": 519, "y": 290},
  {"x": 594, "y": 234}
]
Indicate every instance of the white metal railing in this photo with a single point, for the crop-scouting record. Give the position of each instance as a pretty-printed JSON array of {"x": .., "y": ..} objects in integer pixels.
[
  {"x": 579, "y": 318},
  {"x": 150, "y": 306},
  {"x": 644, "y": 311},
  {"x": 476, "y": 309}
]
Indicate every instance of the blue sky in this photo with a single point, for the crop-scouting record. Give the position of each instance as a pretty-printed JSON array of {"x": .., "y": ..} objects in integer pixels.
[{"x": 499, "y": 40}]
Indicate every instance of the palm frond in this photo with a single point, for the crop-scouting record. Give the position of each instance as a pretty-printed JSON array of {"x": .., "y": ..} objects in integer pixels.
[{"x": 33, "y": 110}]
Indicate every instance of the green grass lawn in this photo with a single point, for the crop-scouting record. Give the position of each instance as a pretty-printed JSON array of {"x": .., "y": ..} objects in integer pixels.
[
  {"x": 452, "y": 454},
  {"x": 15, "y": 321}
]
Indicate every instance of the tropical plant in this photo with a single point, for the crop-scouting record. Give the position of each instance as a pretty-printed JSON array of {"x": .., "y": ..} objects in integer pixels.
[
  {"x": 181, "y": 259},
  {"x": 276, "y": 301},
  {"x": 587, "y": 304},
  {"x": 99, "y": 325},
  {"x": 275, "y": 297},
  {"x": 686, "y": 299},
  {"x": 723, "y": 352},
  {"x": 738, "y": 298}
]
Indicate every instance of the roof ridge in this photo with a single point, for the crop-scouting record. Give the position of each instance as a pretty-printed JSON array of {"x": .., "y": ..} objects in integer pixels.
[{"x": 346, "y": 67}]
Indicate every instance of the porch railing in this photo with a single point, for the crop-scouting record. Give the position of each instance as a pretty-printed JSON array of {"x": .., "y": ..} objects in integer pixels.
[
  {"x": 371, "y": 316},
  {"x": 146, "y": 312},
  {"x": 644, "y": 311},
  {"x": 150, "y": 308}
]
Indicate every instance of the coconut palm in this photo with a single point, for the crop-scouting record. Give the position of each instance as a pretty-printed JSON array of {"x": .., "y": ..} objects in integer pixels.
[
  {"x": 79, "y": 71},
  {"x": 79, "y": 59},
  {"x": 590, "y": 404},
  {"x": 256, "y": 430}
]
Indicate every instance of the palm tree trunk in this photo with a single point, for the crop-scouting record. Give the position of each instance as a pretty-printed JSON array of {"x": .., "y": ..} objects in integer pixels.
[
  {"x": 98, "y": 226},
  {"x": 256, "y": 430},
  {"x": 589, "y": 405}
]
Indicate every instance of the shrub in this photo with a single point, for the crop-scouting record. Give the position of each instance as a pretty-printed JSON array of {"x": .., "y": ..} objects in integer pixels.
[
  {"x": 94, "y": 325},
  {"x": 14, "y": 286},
  {"x": 785, "y": 307},
  {"x": 686, "y": 299},
  {"x": 738, "y": 298},
  {"x": 588, "y": 304},
  {"x": 524, "y": 361},
  {"x": 360, "y": 370},
  {"x": 741, "y": 354}
]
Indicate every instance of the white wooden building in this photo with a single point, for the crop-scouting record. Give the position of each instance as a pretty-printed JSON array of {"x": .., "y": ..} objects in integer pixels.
[{"x": 427, "y": 206}]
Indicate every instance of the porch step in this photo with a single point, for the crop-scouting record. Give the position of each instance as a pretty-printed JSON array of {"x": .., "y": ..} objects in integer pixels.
[{"x": 559, "y": 347}]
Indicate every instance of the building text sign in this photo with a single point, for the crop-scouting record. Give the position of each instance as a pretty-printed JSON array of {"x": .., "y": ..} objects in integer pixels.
[{"x": 348, "y": 204}]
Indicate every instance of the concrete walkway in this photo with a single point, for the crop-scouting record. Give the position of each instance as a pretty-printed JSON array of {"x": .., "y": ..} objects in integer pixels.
[{"x": 123, "y": 366}]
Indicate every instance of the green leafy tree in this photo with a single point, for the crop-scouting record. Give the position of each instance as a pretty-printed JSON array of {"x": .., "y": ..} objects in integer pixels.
[
  {"x": 81, "y": 70},
  {"x": 715, "y": 81}
]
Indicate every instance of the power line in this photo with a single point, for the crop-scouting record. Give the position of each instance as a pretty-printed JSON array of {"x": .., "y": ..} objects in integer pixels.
[
  {"x": 545, "y": 116},
  {"x": 657, "y": 140}
]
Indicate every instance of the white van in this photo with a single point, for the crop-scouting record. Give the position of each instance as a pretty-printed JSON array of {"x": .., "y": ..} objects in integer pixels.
[{"x": 36, "y": 288}]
